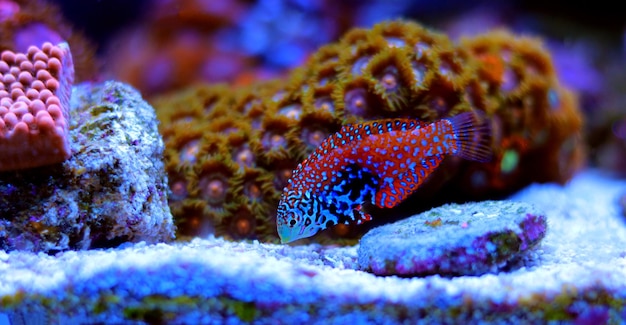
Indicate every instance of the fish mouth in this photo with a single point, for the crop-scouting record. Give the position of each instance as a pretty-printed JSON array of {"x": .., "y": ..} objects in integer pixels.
[
  {"x": 284, "y": 240},
  {"x": 286, "y": 237},
  {"x": 290, "y": 236}
]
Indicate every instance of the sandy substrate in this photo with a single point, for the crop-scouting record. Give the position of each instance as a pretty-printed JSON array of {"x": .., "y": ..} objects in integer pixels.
[{"x": 576, "y": 274}]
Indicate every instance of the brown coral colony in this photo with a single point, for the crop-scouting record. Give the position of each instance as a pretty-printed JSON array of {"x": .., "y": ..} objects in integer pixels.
[{"x": 395, "y": 69}]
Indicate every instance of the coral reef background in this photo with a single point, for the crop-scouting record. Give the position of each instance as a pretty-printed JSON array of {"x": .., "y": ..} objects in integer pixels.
[
  {"x": 225, "y": 40},
  {"x": 550, "y": 82},
  {"x": 167, "y": 47},
  {"x": 231, "y": 151}
]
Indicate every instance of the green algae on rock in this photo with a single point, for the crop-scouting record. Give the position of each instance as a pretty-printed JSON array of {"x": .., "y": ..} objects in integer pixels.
[
  {"x": 454, "y": 239},
  {"x": 112, "y": 190}
]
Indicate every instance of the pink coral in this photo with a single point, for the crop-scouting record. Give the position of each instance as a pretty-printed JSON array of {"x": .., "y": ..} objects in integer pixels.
[{"x": 35, "y": 90}]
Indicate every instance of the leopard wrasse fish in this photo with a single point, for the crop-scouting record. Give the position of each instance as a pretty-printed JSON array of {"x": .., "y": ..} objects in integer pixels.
[{"x": 378, "y": 162}]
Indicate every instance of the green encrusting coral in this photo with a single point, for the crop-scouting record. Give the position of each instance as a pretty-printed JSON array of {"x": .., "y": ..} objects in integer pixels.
[{"x": 231, "y": 150}]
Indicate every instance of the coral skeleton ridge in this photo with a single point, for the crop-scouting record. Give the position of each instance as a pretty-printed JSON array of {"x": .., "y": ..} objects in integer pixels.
[
  {"x": 35, "y": 89},
  {"x": 230, "y": 151}
]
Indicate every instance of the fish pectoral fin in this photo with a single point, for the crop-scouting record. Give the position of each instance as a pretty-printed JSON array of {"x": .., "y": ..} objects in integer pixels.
[
  {"x": 395, "y": 189},
  {"x": 361, "y": 216},
  {"x": 390, "y": 194}
]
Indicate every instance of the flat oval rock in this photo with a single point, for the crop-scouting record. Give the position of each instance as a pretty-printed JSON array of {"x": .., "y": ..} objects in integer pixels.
[{"x": 454, "y": 239}]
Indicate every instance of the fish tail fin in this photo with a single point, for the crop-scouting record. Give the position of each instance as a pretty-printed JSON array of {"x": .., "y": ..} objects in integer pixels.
[{"x": 473, "y": 134}]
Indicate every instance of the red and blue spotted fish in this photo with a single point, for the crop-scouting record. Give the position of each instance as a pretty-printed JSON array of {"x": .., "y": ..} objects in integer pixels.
[{"x": 380, "y": 162}]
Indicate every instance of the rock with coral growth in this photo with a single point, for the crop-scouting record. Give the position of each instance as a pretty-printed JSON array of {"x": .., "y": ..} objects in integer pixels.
[
  {"x": 455, "y": 239},
  {"x": 35, "y": 89},
  {"x": 112, "y": 190}
]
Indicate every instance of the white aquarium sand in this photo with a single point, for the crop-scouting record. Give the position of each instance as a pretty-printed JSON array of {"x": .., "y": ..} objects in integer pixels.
[{"x": 576, "y": 274}]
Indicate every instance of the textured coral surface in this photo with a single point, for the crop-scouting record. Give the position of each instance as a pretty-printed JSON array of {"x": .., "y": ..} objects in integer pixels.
[
  {"x": 112, "y": 190},
  {"x": 577, "y": 276},
  {"x": 35, "y": 89},
  {"x": 229, "y": 152}
]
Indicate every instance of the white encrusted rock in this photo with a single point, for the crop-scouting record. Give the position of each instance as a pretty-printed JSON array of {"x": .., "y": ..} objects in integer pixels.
[
  {"x": 454, "y": 239},
  {"x": 112, "y": 190}
]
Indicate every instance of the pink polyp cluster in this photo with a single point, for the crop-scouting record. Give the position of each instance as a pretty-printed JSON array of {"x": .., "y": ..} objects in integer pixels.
[{"x": 35, "y": 89}]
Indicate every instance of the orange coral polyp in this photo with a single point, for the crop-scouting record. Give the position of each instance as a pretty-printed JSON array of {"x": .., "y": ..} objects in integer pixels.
[
  {"x": 34, "y": 116},
  {"x": 282, "y": 177},
  {"x": 356, "y": 101},
  {"x": 179, "y": 190},
  {"x": 243, "y": 226},
  {"x": 215, "y": 190},
  {"x": 189, "y": 152},
  {"x": 313, "y": 137},
  {"x": 244, "y": 156},
  {"x": 272, "y": 141},
  {"x": 252, "y": 190},
  {"x": 324, "y": 104},
  {"x": 389, "y": 80}
]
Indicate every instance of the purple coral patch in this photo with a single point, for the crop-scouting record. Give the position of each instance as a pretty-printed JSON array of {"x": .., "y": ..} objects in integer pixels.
[{"x": 467, "y": 239}]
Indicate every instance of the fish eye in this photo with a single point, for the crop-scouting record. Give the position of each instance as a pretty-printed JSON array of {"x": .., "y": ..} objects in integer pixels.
[{"x": 292, "y": 222}]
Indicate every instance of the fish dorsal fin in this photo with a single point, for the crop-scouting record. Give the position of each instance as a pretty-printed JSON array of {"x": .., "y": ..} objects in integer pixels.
[
  {"x": 395, "y": 187},
  {"x": 351, "y": 133},
  {"x": 389, "y": 125}
]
